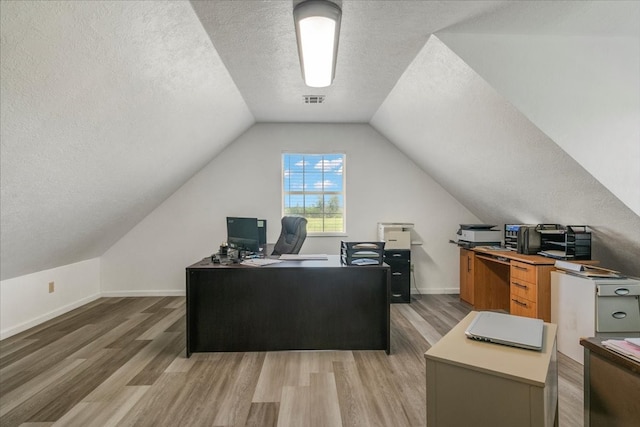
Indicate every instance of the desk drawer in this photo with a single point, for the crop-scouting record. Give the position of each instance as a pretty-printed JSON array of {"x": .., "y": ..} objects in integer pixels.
[
  {"x": 524, "y": 271},
  {"x": 523, "y": 289},
  {"x": 399, "y": 262},
  {"x": 522, "y": 307},
  {"x": 397, "y": 255}
]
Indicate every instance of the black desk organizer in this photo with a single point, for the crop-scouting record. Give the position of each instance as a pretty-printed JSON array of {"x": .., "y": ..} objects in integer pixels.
[
  {"x": 361, "y": 253},
  {"x": 572, "y": 242}
]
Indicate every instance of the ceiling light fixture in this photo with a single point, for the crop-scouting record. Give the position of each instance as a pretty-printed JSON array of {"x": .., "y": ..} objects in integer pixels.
[{"x": 317, "y": 30}]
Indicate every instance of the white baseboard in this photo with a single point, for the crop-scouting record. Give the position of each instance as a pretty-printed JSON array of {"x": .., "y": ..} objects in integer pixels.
[
  {"x": 427, "y": 291},
  {"x": 162, "y": 293},
  {"x": 6, "y": 333}
]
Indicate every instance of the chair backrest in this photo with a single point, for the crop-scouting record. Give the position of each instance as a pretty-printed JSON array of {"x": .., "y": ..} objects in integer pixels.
[{"x": 292, "y": 236}]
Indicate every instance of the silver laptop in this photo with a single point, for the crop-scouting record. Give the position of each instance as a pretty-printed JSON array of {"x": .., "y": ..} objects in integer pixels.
[{"x": 506, "y": 329}]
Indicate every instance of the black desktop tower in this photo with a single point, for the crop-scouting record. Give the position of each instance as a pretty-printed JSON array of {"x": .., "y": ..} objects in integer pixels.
[{"x": 262, "y": 232}]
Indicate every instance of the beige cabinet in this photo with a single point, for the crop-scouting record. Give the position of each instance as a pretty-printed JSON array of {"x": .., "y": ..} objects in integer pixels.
[{"x": 472, "y": 383}]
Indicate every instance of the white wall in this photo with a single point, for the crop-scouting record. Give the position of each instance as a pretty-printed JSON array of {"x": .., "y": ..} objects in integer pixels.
[
  {"x": 26, "y": 302},
  {"x": 245, "y": 180},
  {"x": 580, "y": 91}
]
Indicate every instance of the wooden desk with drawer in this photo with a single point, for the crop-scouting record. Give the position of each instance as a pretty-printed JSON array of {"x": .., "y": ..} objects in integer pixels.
[{"x": 505, "y": 280}]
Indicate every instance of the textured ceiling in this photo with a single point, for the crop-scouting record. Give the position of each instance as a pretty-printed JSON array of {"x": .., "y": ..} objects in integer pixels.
[
  {"x": 568, "y": 18},
  {"x": 378, "y": 40},
  {"x": 107, "y": 107}
]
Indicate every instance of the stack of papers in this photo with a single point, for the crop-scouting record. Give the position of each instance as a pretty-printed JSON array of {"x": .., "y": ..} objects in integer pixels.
[
  {"x": 629, "y": 347},
  {"x": 365, "y": 245},
  {"x": 365, "y": 261},
  {"x": 302, "y": 257},
  {"x": 554, "y": 253},
  {"x": 586, "y": 270},
  {"x": 259, "y": 262}
]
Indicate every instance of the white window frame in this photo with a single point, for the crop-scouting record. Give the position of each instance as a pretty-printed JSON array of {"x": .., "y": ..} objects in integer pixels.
[{"x": 343, "y": 193}]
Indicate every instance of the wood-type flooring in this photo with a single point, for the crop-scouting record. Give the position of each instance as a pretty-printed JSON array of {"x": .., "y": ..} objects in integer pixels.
[{"x": 121, "y": 362}]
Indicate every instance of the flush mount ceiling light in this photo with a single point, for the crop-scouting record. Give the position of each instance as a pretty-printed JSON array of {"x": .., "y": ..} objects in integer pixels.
[{"x": 317, "y": 30}]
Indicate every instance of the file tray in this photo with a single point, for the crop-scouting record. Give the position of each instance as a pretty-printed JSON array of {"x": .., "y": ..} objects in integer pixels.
[
  {"x": 361, "y": 253},
  {"x": 362, "y": 245},
  {"x": 570, "y": 243}
]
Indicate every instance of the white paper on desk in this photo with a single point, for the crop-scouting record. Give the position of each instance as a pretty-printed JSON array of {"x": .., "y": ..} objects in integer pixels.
[
  {"x": 623, "y": 347},
  {"x": 634, "y": 341},
  {"x": 259, "y": 262},
  {"x": 303, "y": 257},
  {"x": 570, "y": 266}
]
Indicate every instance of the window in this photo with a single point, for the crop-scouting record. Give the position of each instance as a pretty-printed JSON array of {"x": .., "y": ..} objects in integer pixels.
[{"x": 313, "y": 187}]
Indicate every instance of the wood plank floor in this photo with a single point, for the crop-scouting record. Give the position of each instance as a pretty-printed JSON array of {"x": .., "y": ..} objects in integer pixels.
[{"x": 121, "y": 362}]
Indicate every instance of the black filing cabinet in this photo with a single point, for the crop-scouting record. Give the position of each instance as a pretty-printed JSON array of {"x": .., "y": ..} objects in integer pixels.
[{"x": 400, "y": 262}]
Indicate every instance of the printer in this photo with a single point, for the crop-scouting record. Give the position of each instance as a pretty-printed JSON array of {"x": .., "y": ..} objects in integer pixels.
[
  {"x": 396, "y": 235},
  {"x": 472, "y": 235}
]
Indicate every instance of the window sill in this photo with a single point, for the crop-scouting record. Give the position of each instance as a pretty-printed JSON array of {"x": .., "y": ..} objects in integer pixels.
[{"x": 333, "y": 234}]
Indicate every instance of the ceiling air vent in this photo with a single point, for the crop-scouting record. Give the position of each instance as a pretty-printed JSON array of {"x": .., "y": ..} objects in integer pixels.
[{"x": 313, "y": 99}]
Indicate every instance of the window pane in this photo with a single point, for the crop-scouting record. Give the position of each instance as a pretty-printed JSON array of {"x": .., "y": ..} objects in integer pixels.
[
  {"x": 315, "y": 223},
  {"x": 313, "y": 186}
]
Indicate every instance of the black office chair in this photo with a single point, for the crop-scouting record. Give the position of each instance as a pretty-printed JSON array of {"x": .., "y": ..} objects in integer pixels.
[{"x": 292, "y": 236}]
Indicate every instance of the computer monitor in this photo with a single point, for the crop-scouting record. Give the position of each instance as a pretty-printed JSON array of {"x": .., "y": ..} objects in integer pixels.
[{"x": 243, "y": 233}]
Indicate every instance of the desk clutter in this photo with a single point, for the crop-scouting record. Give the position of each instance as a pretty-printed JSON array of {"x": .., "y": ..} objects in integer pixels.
[
  {"x": 628, "y": 347},
  {"x": 564, "y": 242}
]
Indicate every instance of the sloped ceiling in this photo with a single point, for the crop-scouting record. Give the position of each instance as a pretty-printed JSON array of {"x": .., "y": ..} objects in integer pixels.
[
  {"x": 108, "y": 107},
  {"x": 378, "y": 40},
  {"x": 490, "y": 157},
  {"x": 575, "y": 77}
]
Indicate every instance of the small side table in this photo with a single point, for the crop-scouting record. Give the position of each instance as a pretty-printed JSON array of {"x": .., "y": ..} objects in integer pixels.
[
  {"x": 472, "y": 383},
  {"x": 611, "y": 386}
]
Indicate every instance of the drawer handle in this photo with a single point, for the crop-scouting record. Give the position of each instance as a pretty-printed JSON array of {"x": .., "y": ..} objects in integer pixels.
[
  {"x": 396, "y": 295},
  {"x": 523, "y": 304},
  {"x": 520, "y": 286},
  {"x": 395, "y": 273},
  {"x": 619, "y": 315},
  {"x": 397, "y": 255},
  {"x": 622, "y": 291},
  {"x": 521, "y": 268}
]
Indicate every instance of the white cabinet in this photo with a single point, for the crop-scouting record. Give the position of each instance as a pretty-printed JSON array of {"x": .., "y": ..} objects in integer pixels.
[
  {"x": 573, "y": 309},
  {"x": 588, "y": 307}
]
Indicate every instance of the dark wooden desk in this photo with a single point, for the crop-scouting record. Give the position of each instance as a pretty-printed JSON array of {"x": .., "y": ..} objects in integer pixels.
[
  {"x": 292, "y": 305},
  {"x": 611, "y": 386}
]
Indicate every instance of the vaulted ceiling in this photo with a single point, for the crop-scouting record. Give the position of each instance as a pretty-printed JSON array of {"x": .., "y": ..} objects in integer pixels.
[
  {"x": 378, "y": 40},
  {"x": 108, "y": 107}
]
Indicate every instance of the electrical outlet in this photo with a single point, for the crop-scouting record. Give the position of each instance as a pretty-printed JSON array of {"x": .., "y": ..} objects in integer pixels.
[
  {"x": 412, "y": 266},
  {"x": 52, "y": 287}
]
